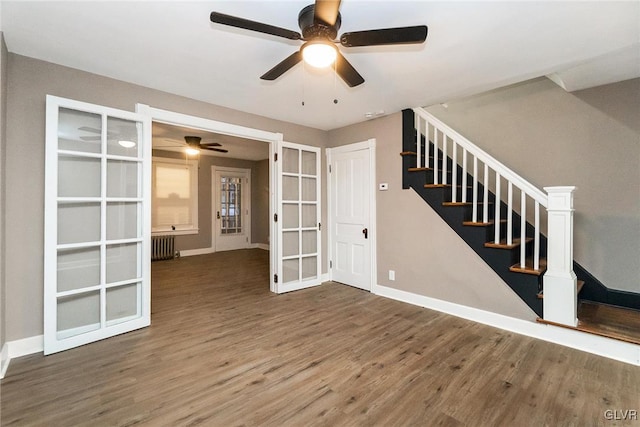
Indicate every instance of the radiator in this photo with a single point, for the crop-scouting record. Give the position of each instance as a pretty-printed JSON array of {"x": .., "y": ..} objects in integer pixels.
[{"x": 162, "y": 247}]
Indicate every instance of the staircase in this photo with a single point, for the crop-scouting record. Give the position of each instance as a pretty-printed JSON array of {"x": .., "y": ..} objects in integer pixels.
[{"x": 460, "y": 182}]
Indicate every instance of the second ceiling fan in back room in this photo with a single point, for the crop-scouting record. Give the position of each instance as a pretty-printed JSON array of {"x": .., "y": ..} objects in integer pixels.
[{"x": 319, "y": 24}]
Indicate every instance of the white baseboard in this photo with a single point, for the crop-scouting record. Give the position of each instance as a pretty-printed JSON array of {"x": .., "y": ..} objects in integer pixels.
[
  {"x": 199, "y": 251},
  {"x": 25, "y": 346},
  {"x": 19, "y": 348},
  {"x": 601, "y": 346},
  {"x": 4, "y": 360},
  {"x": 204, "y": 251}
]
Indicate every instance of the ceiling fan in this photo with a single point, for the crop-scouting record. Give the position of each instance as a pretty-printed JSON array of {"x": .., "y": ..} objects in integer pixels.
[
  {"x": 195, "y": 143},
  {"x": 319, "y": 24}
]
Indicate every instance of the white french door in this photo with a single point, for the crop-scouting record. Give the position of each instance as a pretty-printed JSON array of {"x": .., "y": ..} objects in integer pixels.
[
  {"x": 351, "y": 199},
  {"x": 232, "y": 209},
  {"x": 97, "y": 223},
  {"x": 297, "y": 217}
]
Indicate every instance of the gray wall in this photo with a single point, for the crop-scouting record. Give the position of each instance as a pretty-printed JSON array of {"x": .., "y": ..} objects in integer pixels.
[
  {"x": 590, "y": 139},
  {"x": 29, "y": 80},
  {"x": 259, "y": 205},
  {"x": 429, "y": 258},
  {"x": 260, "y": 199},
  {"x": 3, "y": 113}
]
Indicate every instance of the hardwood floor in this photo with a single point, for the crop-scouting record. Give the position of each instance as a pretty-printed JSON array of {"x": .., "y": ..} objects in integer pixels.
[
  {"x": 609, "y": 321},
  {"x": 223, "y": 351}
]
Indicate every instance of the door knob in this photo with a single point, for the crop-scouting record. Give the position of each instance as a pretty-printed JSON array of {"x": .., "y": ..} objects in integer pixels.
[
  {"x": 366, "y": 233},
  {"x": 218, "y": 214}
]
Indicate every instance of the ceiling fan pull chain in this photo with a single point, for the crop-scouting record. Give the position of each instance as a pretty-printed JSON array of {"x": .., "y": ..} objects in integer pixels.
[
  {"x": 304, "y": 72},
  {"x": 335, "y": 82}
]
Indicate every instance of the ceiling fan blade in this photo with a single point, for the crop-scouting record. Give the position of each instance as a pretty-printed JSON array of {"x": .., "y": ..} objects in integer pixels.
[
  {"x": 96, "y": 130},
  {"x": 327, "y": 11},
  {"x": 89, "y": 129},
  {"x": 221, "y": 150},
  {"x": 91, "y": 138},
  {"x": 211, "y": 144},
  {"x": 233, "y": 21},
  {"x": 347, "y": 73},
  {"x": 283, "y": 66},
  {"x": 402, "y": 35}
]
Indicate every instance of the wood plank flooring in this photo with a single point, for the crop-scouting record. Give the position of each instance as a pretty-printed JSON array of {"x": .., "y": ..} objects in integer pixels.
[
  {"x": 223, "y": 351},
  {"x": 609, "y": 321}
]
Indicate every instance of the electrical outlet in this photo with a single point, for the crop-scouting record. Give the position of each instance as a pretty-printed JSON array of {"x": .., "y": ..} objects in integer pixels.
[{"x": 392, "y": 275}]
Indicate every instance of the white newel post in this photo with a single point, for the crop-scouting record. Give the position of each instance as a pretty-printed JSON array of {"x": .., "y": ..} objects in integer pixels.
[{"x": 559, "y": 282}]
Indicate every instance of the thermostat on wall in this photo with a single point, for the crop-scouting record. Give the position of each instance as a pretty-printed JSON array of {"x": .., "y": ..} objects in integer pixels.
[{"x": 383, "y": 187}]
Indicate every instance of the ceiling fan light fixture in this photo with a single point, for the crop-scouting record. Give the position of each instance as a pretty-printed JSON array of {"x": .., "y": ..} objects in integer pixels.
[
  {"x": 319, "y": 53},
  {"x": 192, "y": 151},
  {"x": 126, "y": 143}
]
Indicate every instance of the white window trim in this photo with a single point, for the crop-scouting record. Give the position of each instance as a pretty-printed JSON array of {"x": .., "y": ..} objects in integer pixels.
[{"x": 191, "y": 228}]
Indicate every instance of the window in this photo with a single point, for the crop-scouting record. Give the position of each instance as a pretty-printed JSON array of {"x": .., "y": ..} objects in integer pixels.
[{"x": 175, "y": 196}]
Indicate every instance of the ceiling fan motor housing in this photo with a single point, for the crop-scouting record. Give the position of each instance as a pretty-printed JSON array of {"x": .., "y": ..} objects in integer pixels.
[
  {"x": 314, "y": 28},
  {"x": 193, "y": 141}
]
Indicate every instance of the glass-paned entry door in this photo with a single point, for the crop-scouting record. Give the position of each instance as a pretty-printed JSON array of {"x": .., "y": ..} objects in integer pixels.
[
  {"x": 232, "y": 199},
  {"x": 231, "y": 205},
  {"x": 298, "y": 247},
  {"x": 97, "y": 223}
]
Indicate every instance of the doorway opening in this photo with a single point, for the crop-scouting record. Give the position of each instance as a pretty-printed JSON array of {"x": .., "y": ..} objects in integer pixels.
[{"x": 197, "y": 228}]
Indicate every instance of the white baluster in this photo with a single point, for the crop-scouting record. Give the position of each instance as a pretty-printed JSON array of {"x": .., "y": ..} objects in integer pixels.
[
  {"x": 435, "y": 155},
  {"x": 444, "y": 158},
  {"x": 560, "y": 293},
  {"x": 475, "y": 189},
  {"x": 418, "y": 142},
  {"x": 497, "y": 214},
  {"x": 523, "y": 228},
  {"x": 454, "y": 171},
  {"x": 510, "y": 214},
  {"x": 464, "y": 175},
  {"x": 485, "y": 196},
  {"x": 536, "y": 237}
]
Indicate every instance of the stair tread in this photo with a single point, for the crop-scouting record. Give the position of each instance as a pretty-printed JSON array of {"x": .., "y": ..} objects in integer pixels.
[
  {"x": 579, "y": 286},
  {"x": 503, "y": 244},
  {"x": 463, "y": 203},
  {"x": 418, "y": 169},
  {"x": 608, "y": 321},
  {"x": 482, "y": 224},
  {"x": 528, "y": 266},
  {"x": 470, "y": 187}
]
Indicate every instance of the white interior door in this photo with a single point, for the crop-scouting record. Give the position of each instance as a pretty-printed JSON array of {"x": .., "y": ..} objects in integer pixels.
[
  {"x": 97, "y": 223},
  {"x": 350, "y": 215},
  {"x": 297, "y": 217},
  {"x": 232, "y": 209}
]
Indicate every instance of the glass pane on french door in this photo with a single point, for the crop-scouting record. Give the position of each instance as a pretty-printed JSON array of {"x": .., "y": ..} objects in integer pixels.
[
  {"x": 299, "y": 210},
  {"x": 96, "y": 223}
]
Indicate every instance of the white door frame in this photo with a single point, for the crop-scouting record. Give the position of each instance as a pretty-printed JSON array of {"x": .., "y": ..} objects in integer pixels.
[
  {"x": 215, "y": 198},
  {"x": 370, "y": 145},
  {"x": 273, "y": 138}
]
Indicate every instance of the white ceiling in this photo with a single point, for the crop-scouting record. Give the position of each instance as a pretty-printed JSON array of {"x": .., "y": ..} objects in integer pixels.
[{"x": 471, "y": 47}]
